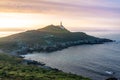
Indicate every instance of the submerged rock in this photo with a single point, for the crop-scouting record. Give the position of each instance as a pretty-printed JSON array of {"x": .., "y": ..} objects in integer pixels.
[{"x": 113, "y": 78}]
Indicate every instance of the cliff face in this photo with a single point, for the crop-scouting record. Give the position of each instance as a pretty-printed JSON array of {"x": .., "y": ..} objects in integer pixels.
[{"x": 50, "y": 38}]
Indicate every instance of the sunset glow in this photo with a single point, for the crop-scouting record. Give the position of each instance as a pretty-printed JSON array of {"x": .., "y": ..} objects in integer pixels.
[{"x": 22, "y": 15}]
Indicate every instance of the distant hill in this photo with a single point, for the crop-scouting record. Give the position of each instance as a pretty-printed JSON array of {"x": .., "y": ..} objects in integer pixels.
[{"x": 47, "y": 39}]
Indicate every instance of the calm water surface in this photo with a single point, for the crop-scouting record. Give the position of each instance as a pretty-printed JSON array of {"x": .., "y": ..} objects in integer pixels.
[{"x": 87, "y": 60}]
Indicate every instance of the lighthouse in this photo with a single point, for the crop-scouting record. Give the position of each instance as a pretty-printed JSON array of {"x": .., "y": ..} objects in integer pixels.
[{"x": 61, "y": 26}]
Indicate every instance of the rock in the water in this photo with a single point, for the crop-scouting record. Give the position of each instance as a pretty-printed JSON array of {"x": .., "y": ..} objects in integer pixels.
[
  {"x": 110, "y": 72},
  {"x": 112, "y": 78}
]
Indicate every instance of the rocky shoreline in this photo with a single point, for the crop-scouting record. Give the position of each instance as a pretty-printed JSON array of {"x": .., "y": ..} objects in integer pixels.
[
  {"x": 43, "y": 65},
  {"x": 51, "y": 49},
  {"x": 36, "y": 63},
  {"x": 55, "y": 47}
]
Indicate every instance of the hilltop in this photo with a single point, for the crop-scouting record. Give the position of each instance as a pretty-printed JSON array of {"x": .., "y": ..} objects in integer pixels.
[
  {"x": 55, "y": 29},
  {"x": 47, "y": 39}
]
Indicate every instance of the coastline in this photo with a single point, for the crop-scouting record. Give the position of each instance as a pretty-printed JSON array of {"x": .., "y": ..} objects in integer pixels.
[
  {"x": 41, "y": 64},
  {"x": 37, "y": 63},
  {"x": 67, "y": 59},
  {"x": 59, "y": 46},
  {"x": 13, "y": 68}
]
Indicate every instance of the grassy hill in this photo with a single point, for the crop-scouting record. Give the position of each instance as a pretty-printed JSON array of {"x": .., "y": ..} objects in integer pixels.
[
  {"x": 55, "y": 29},
  {"x": 11, "y": 68},
  {"x": 50, "y": 38}
]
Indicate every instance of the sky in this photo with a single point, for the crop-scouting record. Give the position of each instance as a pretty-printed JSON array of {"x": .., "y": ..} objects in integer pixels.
[{"x": 76, "y": 15}]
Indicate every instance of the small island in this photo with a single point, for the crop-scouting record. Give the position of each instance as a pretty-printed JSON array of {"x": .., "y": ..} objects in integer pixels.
[{"x": 48, "y": 39}]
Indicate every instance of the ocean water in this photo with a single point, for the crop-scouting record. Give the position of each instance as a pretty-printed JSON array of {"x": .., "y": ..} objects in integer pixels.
[{"x": 87, "y": 60}]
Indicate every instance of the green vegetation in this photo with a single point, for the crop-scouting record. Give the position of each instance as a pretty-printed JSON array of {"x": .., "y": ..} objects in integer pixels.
[
  {"x": 11, "y": 68},
  {"x": 55, "y": 29},
  {"x": 50, "y": 38}
]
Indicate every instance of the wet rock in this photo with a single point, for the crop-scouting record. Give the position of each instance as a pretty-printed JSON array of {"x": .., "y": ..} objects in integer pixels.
[{"x": 113, "y": 78}]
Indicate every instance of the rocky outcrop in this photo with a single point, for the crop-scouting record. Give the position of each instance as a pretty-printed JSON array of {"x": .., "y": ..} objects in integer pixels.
[
  {"x": 25, "y": 48},
  {"x": 113, "y": 78}
]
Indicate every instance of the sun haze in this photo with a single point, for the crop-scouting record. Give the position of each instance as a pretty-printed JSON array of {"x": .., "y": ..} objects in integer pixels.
[{"x": 77, "y": 15}]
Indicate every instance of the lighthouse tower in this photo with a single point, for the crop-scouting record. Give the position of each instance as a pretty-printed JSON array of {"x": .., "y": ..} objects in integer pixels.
[{"x": 61, "y": 26}]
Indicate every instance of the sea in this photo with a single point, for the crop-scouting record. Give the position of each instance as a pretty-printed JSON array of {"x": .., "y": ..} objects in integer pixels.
[{"x": 98, "y": 61}]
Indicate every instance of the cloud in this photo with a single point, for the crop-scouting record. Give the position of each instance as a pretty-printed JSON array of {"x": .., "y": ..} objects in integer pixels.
[
  {"x": 108, "y": 8},
  {"x": 101, "y": 13}
]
